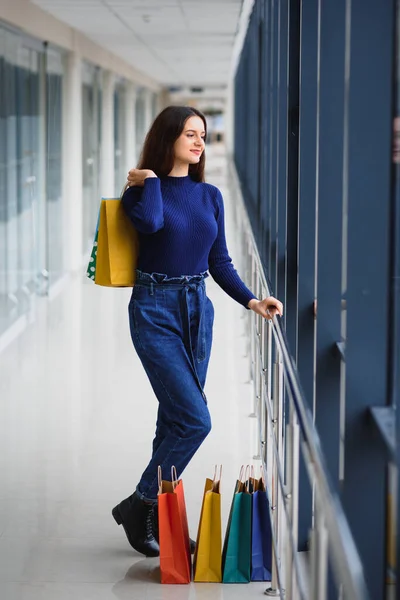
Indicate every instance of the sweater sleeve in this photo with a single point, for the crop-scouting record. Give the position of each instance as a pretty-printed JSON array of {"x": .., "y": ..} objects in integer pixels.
[
  {"x": 220, "y": 263},
  {"x": 144, "y": 205}
]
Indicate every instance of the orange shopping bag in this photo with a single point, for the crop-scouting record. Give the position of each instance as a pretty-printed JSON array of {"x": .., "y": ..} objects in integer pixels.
[{"x": 175, "y": 557}]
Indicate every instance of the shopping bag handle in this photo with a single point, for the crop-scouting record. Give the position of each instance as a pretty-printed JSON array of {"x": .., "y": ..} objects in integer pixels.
[
  {"x": 252, "y": 483},
  {"x": 244, "y": 477},
  {"x": 246, "y": 474},
  {"x": 159, "y": 474},
  {"x": 215, "y": 474},
  {"x": 174, "y": 477}
]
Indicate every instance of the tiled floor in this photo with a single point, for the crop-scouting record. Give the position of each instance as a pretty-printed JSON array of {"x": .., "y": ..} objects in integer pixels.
[{"x": 76, "y": 423}]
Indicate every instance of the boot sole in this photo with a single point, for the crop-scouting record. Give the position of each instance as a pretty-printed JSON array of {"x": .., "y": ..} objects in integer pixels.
[{"x": 116, "y": 513}]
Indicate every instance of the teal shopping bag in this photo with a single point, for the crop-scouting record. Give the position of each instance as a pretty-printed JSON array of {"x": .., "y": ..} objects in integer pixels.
[{"x": 236, "y": 554}]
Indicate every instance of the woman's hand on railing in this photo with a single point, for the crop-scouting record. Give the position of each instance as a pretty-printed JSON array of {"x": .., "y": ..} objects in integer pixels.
[{"x": 267, "y": 308}]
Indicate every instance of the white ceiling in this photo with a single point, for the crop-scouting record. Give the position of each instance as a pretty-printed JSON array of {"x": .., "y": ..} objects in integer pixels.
[{"x": 176, "y": 42}]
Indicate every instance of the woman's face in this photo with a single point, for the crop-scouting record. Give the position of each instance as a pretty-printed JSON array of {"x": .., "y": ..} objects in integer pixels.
[{"x": 189, "y": 146}]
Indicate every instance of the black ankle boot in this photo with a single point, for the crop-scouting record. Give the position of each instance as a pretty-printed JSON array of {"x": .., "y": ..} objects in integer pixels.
[
  {"x": 137, "y": 518},
  {"x": 156, "y": 533}
]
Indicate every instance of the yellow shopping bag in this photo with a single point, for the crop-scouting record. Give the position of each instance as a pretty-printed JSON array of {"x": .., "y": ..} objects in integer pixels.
[
  {"x": 207, "y": 556},
  {"x": 114, "y": 257}
]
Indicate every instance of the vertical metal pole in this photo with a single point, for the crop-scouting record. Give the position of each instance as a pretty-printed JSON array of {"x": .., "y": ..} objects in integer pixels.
[
  {"x": 289, "y": 487},
  {"x": 259, "y": 448},
  {"x": 295, "y": 492},
  {"x": 256, "y": 367},
  {"x": 273, "y": 590},
  {"x": 320, "y": 556},
  {"x": 257, "y": 379},
  {"x": 256, "y": 348},
  {"x": 251, "y": 316},
  {"x": 270, "y": 348},
  {"x": 247, "y": 254},
  {"x": 281, "y": 449},
  {"x": 270, "y": 438},
  {"x": 262, "y": 407},
  {"x": 313, "y": 563},
  {"x": 292, "y": 483}
]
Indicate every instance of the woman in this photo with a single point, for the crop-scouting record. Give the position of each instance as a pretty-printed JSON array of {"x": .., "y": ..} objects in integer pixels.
[{"x": 180, "y": 223}]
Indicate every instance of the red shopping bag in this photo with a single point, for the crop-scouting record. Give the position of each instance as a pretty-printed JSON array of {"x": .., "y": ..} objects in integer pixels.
[{"x": 175, "y": 557}]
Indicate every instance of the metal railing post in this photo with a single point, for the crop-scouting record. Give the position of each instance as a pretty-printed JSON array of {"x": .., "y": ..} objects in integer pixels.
[
  {"x": 319, "y": 557},
  {"x": 292, "y": 499},
  {"x": 274, "y": 590}
]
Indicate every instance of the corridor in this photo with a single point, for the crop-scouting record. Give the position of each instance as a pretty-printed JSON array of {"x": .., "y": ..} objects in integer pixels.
[{"x": 312, "y": 198}]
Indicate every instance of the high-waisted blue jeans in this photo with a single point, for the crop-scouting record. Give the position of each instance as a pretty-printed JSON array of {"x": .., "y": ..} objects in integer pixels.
[{"x": 171, "y": 322}]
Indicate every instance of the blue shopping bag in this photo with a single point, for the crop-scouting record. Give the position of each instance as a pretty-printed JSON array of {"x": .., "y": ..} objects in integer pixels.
[{"x": 261, "y": 539}]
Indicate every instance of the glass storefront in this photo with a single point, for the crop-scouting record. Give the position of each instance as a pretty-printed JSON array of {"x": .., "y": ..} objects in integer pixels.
[
  {"x": 54, "y": 100},
  {"x": 91, "y": 150},
  {"x": 31, "y": 234},
  {"x": 22, "y": 174},
  {"x": 32, "y": 207}
]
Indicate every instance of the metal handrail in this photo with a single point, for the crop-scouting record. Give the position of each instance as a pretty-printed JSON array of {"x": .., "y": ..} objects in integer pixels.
[{"x": 331, "y": 535}]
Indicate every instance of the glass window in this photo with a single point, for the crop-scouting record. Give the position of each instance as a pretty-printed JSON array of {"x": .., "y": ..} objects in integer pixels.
[
  {"x": 3, "y": 182},
  {"x": 54, "y": 204},
  {"x": 30, "y": 175},
  {"x": 91, "y": 150},
  {"x": 22, "y": 239}
]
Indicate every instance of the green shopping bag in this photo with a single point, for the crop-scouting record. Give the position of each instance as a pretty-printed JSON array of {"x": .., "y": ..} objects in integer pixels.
[
  {"x": 236, "y": 554},
  {"x": 91, "y": 268}
]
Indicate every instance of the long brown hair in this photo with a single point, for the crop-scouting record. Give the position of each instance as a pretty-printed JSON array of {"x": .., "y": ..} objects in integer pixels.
[{"x": 158, "y": 148}]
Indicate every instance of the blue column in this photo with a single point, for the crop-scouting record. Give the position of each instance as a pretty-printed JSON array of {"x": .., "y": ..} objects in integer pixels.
[
  {"x": 282, "y": 129},
  {"x": 292, "y": 174},
  {"x": 329, "y": 225},
  {"x": 368, "y": 125},
  {"x": 263, "y": 127},
  {"x": 330, "y": 118},
  {"x": 273, "y": 131},
  {"x": 306, "y": 233},
  {"x": 394, "y": 318}
]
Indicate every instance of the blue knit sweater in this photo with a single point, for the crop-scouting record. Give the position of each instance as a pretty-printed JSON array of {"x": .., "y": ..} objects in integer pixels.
[{"x": 180, "y": 224}]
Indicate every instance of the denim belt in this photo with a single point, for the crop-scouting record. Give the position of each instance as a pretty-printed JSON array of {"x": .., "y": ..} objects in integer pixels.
[{"x": 162, "y": 279}]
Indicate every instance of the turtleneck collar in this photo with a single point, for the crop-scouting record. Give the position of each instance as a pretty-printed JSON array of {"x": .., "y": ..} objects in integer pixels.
[{"x": 177, "y": 181}]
